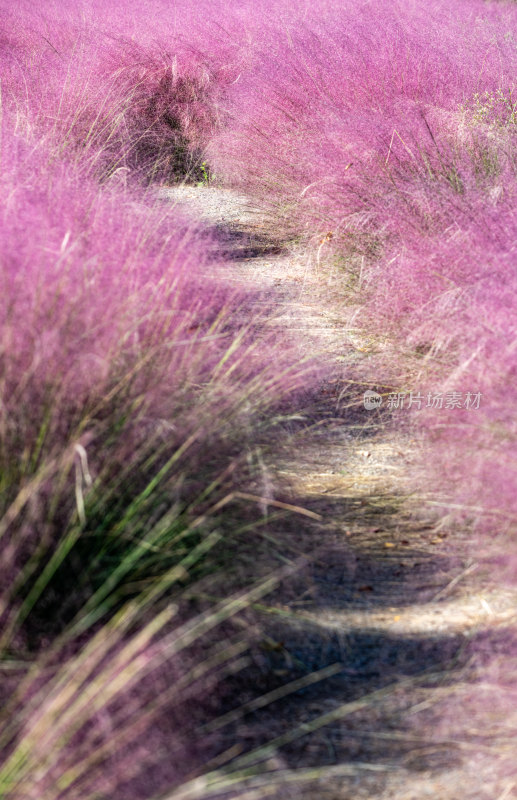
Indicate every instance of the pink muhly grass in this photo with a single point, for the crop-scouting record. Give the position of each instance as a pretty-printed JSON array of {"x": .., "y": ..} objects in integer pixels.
[
  {"x": 108, "y": 312},
  {"x": 115, "y": 715},
  {"x": 131, "y": 377},
  {"x": 393, "y": 139},
  {"x": 118, "y": 103}
]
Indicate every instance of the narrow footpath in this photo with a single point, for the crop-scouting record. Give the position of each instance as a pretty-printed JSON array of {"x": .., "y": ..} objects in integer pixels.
[{"x": 393, "y": 641}]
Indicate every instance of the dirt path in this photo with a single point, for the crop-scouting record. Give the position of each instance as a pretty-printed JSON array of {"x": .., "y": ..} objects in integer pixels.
[{"x": 416, "y": 695}]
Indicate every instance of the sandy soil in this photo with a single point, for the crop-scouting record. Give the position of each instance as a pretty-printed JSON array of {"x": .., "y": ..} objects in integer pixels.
[{"x": 416, "y": 695}]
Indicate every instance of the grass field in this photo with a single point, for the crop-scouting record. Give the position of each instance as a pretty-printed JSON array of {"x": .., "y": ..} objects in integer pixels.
[{"x": 137, "y": 385}]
